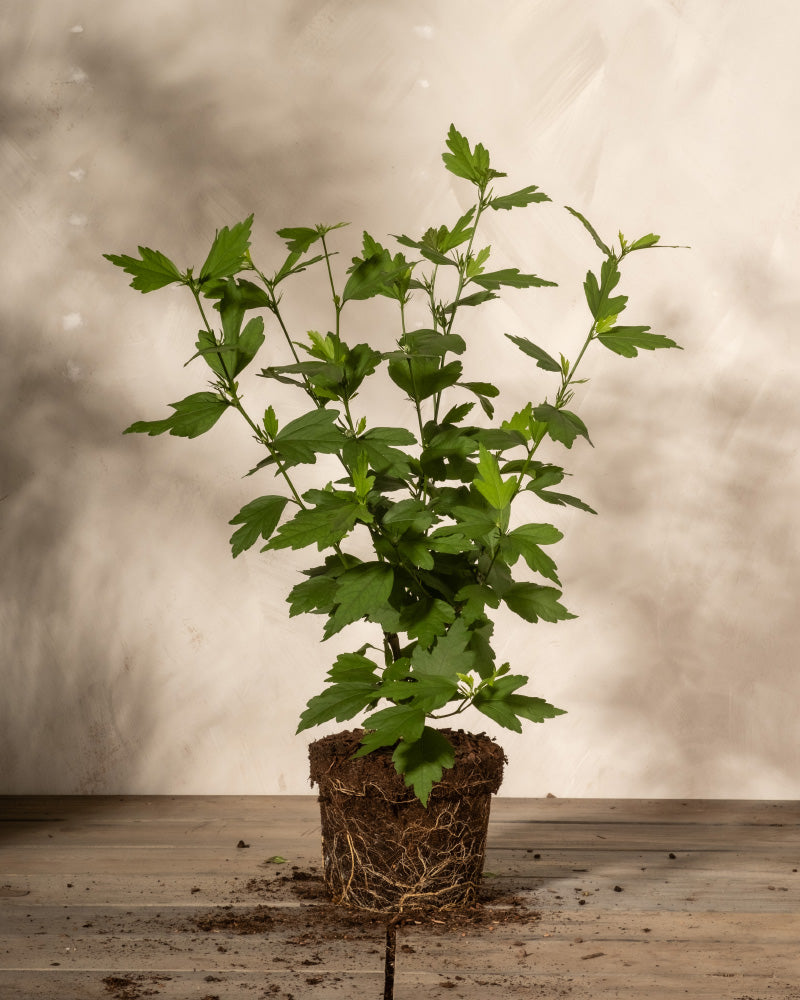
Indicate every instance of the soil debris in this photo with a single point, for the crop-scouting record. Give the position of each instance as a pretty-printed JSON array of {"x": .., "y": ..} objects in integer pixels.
[
  {"x": 322, "y": 920},
  {"x": 133, "y": 987}
]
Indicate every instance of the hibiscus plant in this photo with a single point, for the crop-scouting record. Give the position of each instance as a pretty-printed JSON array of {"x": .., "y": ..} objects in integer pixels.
[{"x": 416, "y": 530}]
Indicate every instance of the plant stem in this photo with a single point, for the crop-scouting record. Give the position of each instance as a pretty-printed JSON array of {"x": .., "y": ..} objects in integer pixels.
[
  {"x": 228, "y": 388},
  {"x": 337, "y": 303},
  {"x": 568, "y": 377}
]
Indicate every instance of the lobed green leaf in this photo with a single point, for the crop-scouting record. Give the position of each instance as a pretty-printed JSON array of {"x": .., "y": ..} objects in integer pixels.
[
  {"x": 258, "y": 519},
  {"x": 591, "y": 230},
  {"x": 360, "y": 592},
  {"x": 562, "y": 425},
  {"x": 534, "y": 602},
  {"x": 519, "y": 199},
  {"x": 423, "y": 761},
  {"x": 301, "y": 440},
  {"x": 152, "y": 271},
  {"x": 228, "y": 253},
  {"x": 193, "y": 416},
  {"x": 542, "y": 358},
  {"x": 511, "y": 276},
  {"x": 627, "y": 341}
]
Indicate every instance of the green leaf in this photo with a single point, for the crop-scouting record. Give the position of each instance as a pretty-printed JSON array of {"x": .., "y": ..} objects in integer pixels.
[
  {"x": 533, "y": 602},
  {"x": 360, "y": 592},
  {"x": 542, "y": 358},
  {"x": 415, "y": 551},
  {"x": 373, "y": 276},
  {"x": 490, "y": 484},
  {"x": 511, "y": 276},
  {"x": 431, "y": 343},
  {"x": 251, "y": 296},
  {"x": 426, "y": 247},
  {"x": 359, "y": 362},
  {"x": 475, "y": 597},
  {"x": 153, "y": 271},
  {"x": 249, "y": 343},
  {"x": 560, "y": 499},
  {"x": 209, "y": 349},
  {"x": 354, "y": 667},
  {"x": 340, "y": 701},
  {"x": 628, "y": 340},
  {"x": 475, "y": 264},
  {"x": 386, "y": 727},
  {"x": 423, "y": 761},
  {"x": 426, "y": 619},
  {"x": 483, "y": 390},
  {"x": 315, "y": 596},
  {"x": 644, "y": 242},
  {"x": 422, "y": 377},
  {"x": 457, "y": 413},
  {"x": 591, "y": 230},
  {"x": 270, "y": 422},
  {"x": 193, "y": 416},
  {"x": 362, "y": 481},
  {"x": 228, "y": 251},
  {"x": 407, "y": 515},
  {"x": 378, "y": 445},
  {"x": 301, "y": 440},
  {"x": 519, "y": 199},
  {"x": 449, "y": 657},
  {"x": 536, "y": 534},
  {"x": 450, "y": 540},
  {"x": 324, "y": 524},
  {"x": 472, "y": 522},
  {"x": 300, "y": 238},
  {"x": 290, "y": 266},
  {"x": 476, "y": 299},
  {"x": 598, "y": 293},
  {"x": 499, "y": 703},
  {"x": 428, "y": 693},
  {"x": 525, "y": 541},
  {"x": 463, "y": 162},
  {"x": 460, "y": 233},
  {"x": 562, "y": 425},
  {"x": 258, "y": 519}
]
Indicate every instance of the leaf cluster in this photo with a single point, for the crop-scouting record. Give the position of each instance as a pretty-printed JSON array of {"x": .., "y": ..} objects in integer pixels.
[{"x": 418, "y": 535}]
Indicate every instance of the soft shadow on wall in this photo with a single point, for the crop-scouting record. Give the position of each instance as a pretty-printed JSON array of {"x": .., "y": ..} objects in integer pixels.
[
  {"x": 106, "y": 144},
  {"x": 698, "y": 646}
]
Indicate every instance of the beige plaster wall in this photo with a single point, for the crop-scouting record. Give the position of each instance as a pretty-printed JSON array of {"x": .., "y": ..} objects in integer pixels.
[{"x": 136, "y": 656}]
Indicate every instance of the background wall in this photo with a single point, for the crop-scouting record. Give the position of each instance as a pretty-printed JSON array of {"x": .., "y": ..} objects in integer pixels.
[{"x": 136, "y": 655}]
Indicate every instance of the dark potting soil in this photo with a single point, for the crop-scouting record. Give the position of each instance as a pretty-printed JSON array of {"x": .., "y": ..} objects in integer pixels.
[
  {"x": 382, "y": 849},
  {"x": 479, "y": 762}
]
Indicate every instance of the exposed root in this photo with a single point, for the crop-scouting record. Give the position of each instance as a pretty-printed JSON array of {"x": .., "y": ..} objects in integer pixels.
[{"x": 382, "y": 850}]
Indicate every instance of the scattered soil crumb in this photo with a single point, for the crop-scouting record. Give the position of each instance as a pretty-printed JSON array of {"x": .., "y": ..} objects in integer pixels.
[
  {"x": 133, "y": 987},
  {"x": 321, "y": 920}
]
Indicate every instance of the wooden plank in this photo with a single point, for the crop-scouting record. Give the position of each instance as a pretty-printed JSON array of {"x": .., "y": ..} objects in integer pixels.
[
  {"x": 683, "y": 952},
  {"x": 619, "y": 916},
  {"x": 191, "y": 808},
  {"x": 725, "y": 881},
  {"x": 409, "y": 986}
]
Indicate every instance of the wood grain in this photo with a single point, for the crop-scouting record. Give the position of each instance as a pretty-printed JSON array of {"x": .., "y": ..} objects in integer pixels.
[{"x": 636, "y": 899}]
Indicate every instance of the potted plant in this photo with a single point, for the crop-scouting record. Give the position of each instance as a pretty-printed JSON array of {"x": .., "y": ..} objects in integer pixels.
[{"x": 414, "y": 529}]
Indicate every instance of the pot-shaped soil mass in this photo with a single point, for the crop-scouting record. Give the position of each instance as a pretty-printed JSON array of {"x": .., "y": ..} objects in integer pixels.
[{"x": 382, "y": 850}]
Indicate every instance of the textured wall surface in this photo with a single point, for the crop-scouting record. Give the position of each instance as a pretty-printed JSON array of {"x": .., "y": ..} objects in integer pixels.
[{"x": 136, "y": 655}]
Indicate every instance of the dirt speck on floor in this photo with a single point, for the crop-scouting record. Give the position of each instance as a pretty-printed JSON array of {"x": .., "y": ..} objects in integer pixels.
[
  {"x": 321, "y": 920},
  {"x": 134, "y": 987}
]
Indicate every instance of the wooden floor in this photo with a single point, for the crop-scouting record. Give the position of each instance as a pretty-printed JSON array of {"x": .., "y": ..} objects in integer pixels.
[{"x": 637, "y": 899}]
